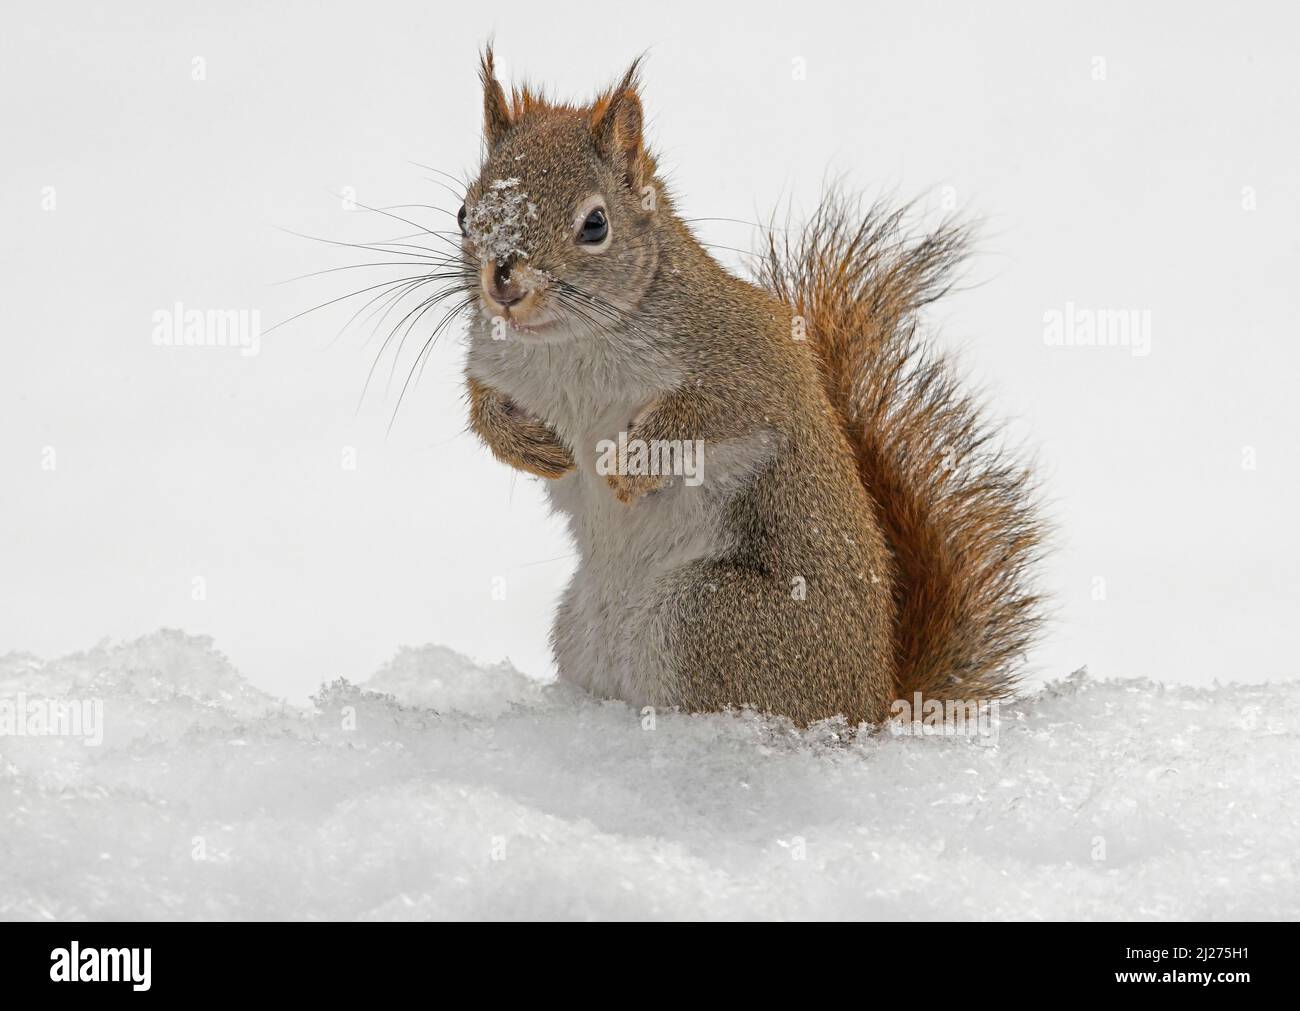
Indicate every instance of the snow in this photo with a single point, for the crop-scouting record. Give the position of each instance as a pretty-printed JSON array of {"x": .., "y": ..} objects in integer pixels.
[
  {"x": 496, "y": 221},
  {"x": 447, "y": 789}
]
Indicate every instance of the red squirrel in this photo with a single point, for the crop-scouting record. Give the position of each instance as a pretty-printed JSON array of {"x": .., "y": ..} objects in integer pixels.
[{"x": 779, "y": 496}]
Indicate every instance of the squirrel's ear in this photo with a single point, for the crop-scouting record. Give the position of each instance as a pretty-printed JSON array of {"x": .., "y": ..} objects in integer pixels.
[
  {"x": 496, "y": 110},
  {"x": 616, "y": 121}
]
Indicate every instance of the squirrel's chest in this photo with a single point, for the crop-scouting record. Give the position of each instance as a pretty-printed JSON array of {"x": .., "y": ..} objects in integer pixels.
[{"x": 587, "y": 391}]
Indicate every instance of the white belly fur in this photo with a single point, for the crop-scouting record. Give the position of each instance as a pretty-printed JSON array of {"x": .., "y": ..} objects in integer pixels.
[{"x": 604, "y": 636}]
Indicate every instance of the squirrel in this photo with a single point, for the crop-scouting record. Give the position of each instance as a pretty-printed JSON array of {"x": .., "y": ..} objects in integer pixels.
[{"x": 846, "y": 534}]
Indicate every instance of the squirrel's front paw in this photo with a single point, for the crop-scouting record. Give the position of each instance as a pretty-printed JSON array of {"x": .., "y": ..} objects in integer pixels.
[
  {"x": 630, "y": 487},
  {"x": 545, "y": 458},
  {"x": 515, "y": 437}
]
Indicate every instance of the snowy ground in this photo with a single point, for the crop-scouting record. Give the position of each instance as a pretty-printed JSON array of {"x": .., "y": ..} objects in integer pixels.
[{"x": 470, "y": 791}]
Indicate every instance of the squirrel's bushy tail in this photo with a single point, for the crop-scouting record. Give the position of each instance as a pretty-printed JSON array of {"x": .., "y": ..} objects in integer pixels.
[{"x": 956, "y": 511}]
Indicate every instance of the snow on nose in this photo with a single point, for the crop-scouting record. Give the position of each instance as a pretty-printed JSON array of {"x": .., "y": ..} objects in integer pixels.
[{"x": 497, "y": 222}]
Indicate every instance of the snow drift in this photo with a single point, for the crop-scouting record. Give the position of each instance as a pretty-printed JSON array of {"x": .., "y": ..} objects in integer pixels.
[{"x": 446, "y": 789}]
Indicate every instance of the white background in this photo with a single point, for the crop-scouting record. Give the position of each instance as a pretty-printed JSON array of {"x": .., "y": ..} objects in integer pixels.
[{"x": 177, "y": 464}]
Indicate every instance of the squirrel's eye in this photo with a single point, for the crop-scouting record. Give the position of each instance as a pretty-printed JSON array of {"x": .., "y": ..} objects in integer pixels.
[
  {"x": 595, "y": 228},
  {"x": 460, "y": 219}
]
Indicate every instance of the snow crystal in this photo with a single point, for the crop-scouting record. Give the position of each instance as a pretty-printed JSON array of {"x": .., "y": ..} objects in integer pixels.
[
  {"x": 495, "y": 224},
  {"x": 446, "y": 789}
]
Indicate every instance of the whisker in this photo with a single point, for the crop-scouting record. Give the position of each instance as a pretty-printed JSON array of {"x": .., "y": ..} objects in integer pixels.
[
  {"x": 462, "y": 183},
  {"x": 332, "y": 301},
  {"x": 349, "y": 266},
  {"x": 739, "y": 221},
  {"x": 387, "y": 303},
  {"x": 428, "y": 207},
  {"x": 449, "y": 290},
  {"x": 464, "y": 304},
  {"x": 358, "y": 245},
  {"x": 439, "y": 182},
  {"x": 395, "y": 217},
  {"x": 392, "y": 296},
  {"x": 452, "y": 312},
  {"x": 429, "y": 303},
  {"x": 607, "y": 309}
]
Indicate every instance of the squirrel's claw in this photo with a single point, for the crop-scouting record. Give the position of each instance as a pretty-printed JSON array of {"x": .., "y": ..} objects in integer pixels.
[{"x": 630, "y": 487}]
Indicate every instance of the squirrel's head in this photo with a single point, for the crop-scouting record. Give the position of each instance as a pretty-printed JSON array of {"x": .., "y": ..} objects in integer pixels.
[{"x": 560, "y": 220}]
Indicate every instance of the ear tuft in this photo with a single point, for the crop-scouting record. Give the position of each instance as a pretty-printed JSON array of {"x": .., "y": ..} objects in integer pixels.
[
  {"x": 616, "y": 127},
  {"x": 496, "y": 110}
]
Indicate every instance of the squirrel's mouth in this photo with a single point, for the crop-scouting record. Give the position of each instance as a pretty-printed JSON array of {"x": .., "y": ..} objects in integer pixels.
[
  {"x": 513, "y": 297},
  {"x": 507, "y": 321},
  {"x": 532, "y": 329},
  {"x": 520, "y": 302}
]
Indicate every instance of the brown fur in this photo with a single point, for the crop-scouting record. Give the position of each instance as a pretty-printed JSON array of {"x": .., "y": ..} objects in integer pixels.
[
  {"x": 515, "y": 439},
  {"x": 957, "y": 513},
  {"x": 881, "y": 492}
]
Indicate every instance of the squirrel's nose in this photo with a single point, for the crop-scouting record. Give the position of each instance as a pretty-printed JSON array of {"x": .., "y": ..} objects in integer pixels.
[{"x": 503, "y": 289}]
